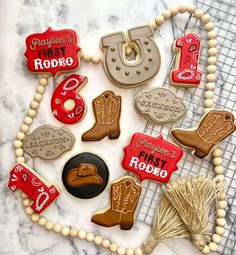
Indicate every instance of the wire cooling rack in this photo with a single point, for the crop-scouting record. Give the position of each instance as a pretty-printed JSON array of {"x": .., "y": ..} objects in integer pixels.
[{"x": 223, "y": 15}]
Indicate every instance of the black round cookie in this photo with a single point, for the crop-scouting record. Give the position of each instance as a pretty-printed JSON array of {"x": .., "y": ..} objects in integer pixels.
[{"x": 91, "y": 190}]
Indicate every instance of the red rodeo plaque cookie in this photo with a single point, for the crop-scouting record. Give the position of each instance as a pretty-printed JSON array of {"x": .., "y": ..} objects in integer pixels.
[
  {"x": 151, "y": 157},
  {"x": 67, "y": 105},
  {"x": 38, "y": 190},
  {"x": 52, "y": 51}
]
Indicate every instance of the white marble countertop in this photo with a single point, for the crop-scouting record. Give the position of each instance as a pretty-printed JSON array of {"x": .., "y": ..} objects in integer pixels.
[{"x": 91, "y": 20}]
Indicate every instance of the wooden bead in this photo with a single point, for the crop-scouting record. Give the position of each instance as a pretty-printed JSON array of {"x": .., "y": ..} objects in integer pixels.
[
  {"x": 106, "y": 243},
  {"x": 211, "y": 77},
  {"x": 121, "y": 250},
  {"x": 166, "y": 14},
  {"x": 46, "y": 75},
  {"x": 128, "y": 50},
  {"x": 206, "y": 249},
  {"x": 96, "y": 60},
  {"x": 198, "y": 13},
  {"x": 24, "y": 128},
  {"x": 129, "y": 251},
  {"x": 211, "y": 69},
  {"x": 43, "y": 82},
  {"x": 220, "y": 231},
  {"x": 216, "y": 238},
  {"x": 35, "y": 217},
  {"x": 182, "y": 8},
  {"x": 32, "y": 113},
  {"x": 153, "y": 24},
  {"x": 206, "y": 18},
  {"x": 29, "y": 210},
  {"x": 57, "y": 228},
  {"x": 208, "y": 103},
  {"x": 25, "y": 202},
  {"x": 23, "y": 195},
  {"x": 138, "y": 251},
  {"x": 219, "y": 170},
  {"x": 40, "y": 89},
  {"x": 222, "y": 204},
  {"x": 217, "y": 152},
  {"x": 34, "y": 105},
  {"x": 82, "y": 234},
  {"x": 42, "y": 221},
  {"x": 174, "y": 11},
  {"x": 222, "y": 196},
  {"x": 20, "y": 136},
  {"x": 209, "y": 26},
  {"x": 220, "y": 178},
  {"x": 49, "y": 225},
  {"x": 17, "y": 144},
  {"x": 212, "y": 52},
  {"x": 73, "y": 232},
  {"x": 210, "y": 86},
  {"x": 19, "y": 152},
  {"x": 86, "y": 57},
  {"x": 90, "y": 237},
  {"x": 38, "y": 97},
  {"x": 220, "y": 222},
  {"x": 217, "y": 161},
  {"x": 20, "y": 159},
  {"x": 65, "y": 231},
  {"x": 113, "y": 247},
  {"x": 159, "y": 20},
  {"x": 213, "y": 246},
  {"x": 209, "y": 94},
  {"x": 28, "y": 120},
  {"x": 212, "y": 43},
  {"x": 211, "y": 60},
  {"x": 98, "y": 240},
  {"x": 211, "y": 35},
  {"x": 221, "y": 213},
  {"x": 191, "y": 8}
]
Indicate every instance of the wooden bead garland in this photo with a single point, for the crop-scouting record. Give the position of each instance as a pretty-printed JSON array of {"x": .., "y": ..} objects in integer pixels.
[{"x": 217, "y": 160}]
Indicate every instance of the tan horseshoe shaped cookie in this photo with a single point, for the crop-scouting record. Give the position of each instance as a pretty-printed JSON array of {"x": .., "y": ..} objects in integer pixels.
[{"x": 128, "y": 74}]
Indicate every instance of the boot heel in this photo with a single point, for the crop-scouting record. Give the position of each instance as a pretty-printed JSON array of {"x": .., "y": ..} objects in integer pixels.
[
  {"x": 200, "y": 154},
  {"x": 114, "y": 135},
  {"x": 126, "y": 225}
]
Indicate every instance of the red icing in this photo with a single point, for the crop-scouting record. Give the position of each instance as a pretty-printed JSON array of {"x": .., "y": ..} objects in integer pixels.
[
  {"x": 52, "y": 51},
  {"x": 187, "y": 73},
  {"x": 67, "y": 90},
  {"x": 151, "y": 157},
  {"x": 25, "y": 179}
]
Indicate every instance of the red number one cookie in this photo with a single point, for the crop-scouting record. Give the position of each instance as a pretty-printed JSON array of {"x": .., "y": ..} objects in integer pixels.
[
  {"x": 24, "y": 178},
  {"x": 186, "y": 73},
  {"x": 67, "y": 90},
  {"x": 151, "y": 157}
]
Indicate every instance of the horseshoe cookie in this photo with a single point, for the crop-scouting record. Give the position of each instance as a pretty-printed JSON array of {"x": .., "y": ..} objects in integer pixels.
[
  {"x": 67, "y": 92},
  {"x": 136, "y": 72}
]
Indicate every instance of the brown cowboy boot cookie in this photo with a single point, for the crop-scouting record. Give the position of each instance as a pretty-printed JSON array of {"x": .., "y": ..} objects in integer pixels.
[
  {"x": 125, "y": 194},
  {"x": 215, "y": 126},
  {"x": 107, "y": 109}
]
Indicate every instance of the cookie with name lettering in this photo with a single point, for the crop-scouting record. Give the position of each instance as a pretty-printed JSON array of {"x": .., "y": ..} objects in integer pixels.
[
  {"x": 151, "y": 158},
  {"x": 48, "y": 142},
  {"x": 159, "y": 105},
  {"x": 52, "y": 51}
]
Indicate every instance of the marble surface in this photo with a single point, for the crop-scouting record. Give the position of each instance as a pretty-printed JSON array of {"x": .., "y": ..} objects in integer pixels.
[{"x": 90, "y": 19}]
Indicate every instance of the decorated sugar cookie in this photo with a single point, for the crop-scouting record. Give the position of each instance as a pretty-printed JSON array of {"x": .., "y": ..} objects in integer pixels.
[
  {"x": 48, "y": 142},
  {"x": 85, "y": 175},
  {"x": 107, "y": 109},
  {"x": 124, "y": 196},
  {"x": 133, "y": 73},
  {"x": 151, "y": 157},
  {"x": 52, "y": 51},
  {"x": 159, "y": 105},
  {"x": 34, "y": 186},
  {"x": 215, "y": 126},
  {"x": 67, "y": 92},
  {"x": 186, "y": 72}
]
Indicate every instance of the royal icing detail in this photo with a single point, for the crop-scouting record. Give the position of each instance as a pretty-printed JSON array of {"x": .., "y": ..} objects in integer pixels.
[
  {"x": 36, "y": 188},
  {"x": 67, "y": 90},
  {"x": 48, "y": 142},
  {"x": 52, "y": 51},
  {"x": 186, "y": 73},
  {"x": 133, "y": 73},
  {"x": 159, "y": 105},
  {"x": 151, "y": 157}
]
